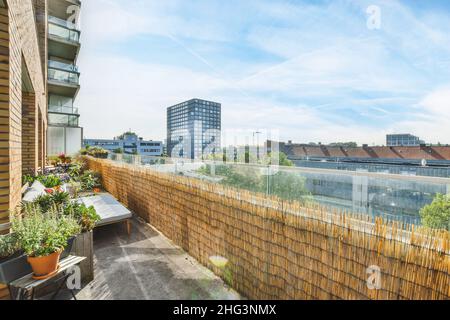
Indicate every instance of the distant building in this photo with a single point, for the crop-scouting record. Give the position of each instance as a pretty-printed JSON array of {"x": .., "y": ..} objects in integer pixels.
[
  {"x": 194, "y": 129},
  {"x": 129, "y": 143},
  {"x": 403, "y": 140}
]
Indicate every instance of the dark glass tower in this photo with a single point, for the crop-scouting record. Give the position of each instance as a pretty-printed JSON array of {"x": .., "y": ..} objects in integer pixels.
[{"x": 194, "y": 129}]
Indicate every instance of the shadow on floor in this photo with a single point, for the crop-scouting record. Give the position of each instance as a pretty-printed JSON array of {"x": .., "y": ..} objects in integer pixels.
[{"x": 146, "y": 266}]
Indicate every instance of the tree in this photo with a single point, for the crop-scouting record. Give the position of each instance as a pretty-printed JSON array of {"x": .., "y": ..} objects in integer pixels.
[
  {"x": 118, "y": 151},
  {"x": 437, "y": 214},
  {"x": 128, "y": 133}
]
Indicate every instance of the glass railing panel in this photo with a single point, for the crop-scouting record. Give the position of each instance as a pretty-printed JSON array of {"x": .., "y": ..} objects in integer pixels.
[
  {"x": 393, "y": 197},
  {"x": 62, "y": 23},
  {"x": 62, "y": 66},
  {"x": 63, "y": 32},
  {"x": 63, "y": 76},
  {"x": 63, "y": 120},
  {"x": 63, "y": 109}
]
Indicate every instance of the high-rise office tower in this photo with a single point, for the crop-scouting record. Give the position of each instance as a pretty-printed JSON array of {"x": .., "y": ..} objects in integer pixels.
[{"x": 194, "y": 129}]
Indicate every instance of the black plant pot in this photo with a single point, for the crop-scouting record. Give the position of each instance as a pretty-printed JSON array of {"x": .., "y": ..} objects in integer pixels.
[
  {"x": 14, "y": 268},
  {"x": 68, "y": 249},
  {"x": 13, "y": 256}
]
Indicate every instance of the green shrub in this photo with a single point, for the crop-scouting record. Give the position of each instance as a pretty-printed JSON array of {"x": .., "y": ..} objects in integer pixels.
[
  {"x": 89, "y": 180},
  {"x": 98, "y": 152},
  {"x": 49, "y": 181},
  {"x": 28, "y": 179},
  {"x": 9, "y": 244},
  {"x": 41, "y": 234},
  {"x": 87, "y": 216},
  {"x": 48, "y": 201},
  {"x": 76, "y": 169},
  {"x": 437, "y": 214}
]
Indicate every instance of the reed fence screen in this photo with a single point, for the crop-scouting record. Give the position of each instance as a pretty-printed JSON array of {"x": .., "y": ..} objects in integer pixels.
[{"x": 267, "y": 248}]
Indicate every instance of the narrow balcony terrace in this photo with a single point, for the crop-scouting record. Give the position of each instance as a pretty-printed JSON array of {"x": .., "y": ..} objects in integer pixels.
[
  {"x": 64, "y": 110},
  {"x": 63, "y": 30},
  {"x": 61, "y": 119},
  {"x": 62, "y": 72},
  {"x": 263, "y": 240},
  {"x": 148, "y": 266}
]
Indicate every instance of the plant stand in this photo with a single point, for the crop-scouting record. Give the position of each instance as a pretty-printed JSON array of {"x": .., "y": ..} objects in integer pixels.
[{"x": 83, "y": 246}]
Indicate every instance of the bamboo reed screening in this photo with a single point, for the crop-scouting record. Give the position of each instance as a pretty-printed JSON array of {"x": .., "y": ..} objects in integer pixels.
[{"x": 279, "y": 249}]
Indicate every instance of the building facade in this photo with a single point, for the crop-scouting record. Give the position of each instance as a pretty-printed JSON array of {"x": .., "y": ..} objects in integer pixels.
[
  {"x": 194, "y": 129},
  {"x": 64, "y": 133},
  {"x": 23, "y": 99},
  {"x": 129, "y": 143},
  {"x": 403, "y": 140}
]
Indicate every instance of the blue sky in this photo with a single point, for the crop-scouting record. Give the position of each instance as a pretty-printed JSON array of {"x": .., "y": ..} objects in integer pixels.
[{"x": 311, "y": 69}]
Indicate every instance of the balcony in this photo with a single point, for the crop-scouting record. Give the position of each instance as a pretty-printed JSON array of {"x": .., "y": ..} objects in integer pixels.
[
  {"x": 64, "y": 39},
  {"x": 63, "y": 79},
  {"x": 64, "y": 110},
  {"x": 266, "y": 240},
  {"x": 66, "y": 120},
  {"x": 63, "y": 29}
]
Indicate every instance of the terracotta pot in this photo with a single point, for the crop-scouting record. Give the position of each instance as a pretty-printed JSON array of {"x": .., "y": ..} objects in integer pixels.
[
  {"x": 45, "y": 266},
  {"x": 97, "y": 190}
]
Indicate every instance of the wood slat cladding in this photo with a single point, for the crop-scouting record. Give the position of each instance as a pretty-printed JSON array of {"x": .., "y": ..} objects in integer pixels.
[
  {"x": 22, "y": 51},
  {"x": 284, "y": 249}
]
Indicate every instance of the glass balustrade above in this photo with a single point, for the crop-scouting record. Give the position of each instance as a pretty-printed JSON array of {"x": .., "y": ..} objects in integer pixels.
[
  {"x": 62, "y": 72},
  {"x": 63, "y": 109},
  {"x": 63, "y": 29},
  {"x": 62, "y": 66},
  {"x": 63, "y": 120}
]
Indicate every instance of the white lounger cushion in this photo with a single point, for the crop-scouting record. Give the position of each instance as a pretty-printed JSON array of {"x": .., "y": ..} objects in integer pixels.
[
  {"x": 108, "y": 208},
  {"x": 35, "y": 191}
]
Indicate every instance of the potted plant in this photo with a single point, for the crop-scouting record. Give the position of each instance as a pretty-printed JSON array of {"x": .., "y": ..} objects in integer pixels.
[
  {"x": 83, "y": 244},
  {"x": 50, "y": 200},
  {"x": 90, "y": 180},
  {"x": 43, "y": 237},
  {"x": 97, "y": 152},
  {"x": 50, "y": 181}
]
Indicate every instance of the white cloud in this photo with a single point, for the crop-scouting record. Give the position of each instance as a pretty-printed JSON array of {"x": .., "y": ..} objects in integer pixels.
[
  {"x": 432, "y": 120},
  {"x": 328, "y": 63}
]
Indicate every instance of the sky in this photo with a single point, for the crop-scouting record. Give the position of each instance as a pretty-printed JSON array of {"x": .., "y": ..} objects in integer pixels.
[{"x": 315, "y": 71}]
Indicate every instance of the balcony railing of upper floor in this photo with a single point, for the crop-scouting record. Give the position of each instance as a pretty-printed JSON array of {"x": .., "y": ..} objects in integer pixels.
[
  {"x": 63, "y": 110},
  {"x": 63, "y": 120},
  {"x": 63, "y": 72},
  {"x": 63, "y": 29}
]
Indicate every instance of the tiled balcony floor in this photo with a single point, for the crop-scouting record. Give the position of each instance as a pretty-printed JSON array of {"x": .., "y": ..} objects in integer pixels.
[{"x": 148, "y": 266}]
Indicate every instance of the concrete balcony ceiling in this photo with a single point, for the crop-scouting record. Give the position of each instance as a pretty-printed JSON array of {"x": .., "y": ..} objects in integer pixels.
[{"x": 58, "y": 8}]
